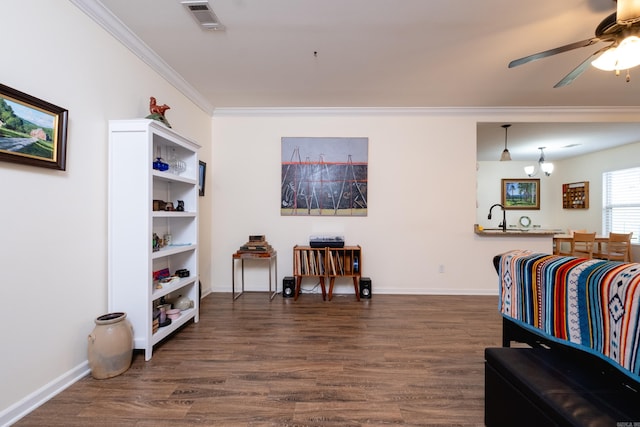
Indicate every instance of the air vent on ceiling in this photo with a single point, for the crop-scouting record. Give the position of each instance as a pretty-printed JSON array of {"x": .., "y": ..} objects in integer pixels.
[{"x": 202, "y": 13}]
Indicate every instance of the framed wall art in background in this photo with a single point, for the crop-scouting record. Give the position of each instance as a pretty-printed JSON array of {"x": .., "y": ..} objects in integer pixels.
[
  {"x": 324, "y": 176},
  {"x": 32, "y": 131},
  {"x": 202, "y": 173},
  {"x": 521, "y": 193}
]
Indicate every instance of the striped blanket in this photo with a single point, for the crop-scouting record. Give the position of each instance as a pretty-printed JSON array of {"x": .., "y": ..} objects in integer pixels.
[{"x": 592, "y": 304}]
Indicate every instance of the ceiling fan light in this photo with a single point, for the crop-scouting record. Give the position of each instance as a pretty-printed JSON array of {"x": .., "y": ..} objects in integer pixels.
[
  {"x": 607, "y": 61},
  {"x": 628, "y": 53},
  {"x": 544, "y": 167},
  {"x": 623, "y": 57}
]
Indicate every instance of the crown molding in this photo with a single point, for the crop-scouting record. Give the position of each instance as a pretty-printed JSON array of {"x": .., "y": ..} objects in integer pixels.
[
  {"x": 404, "y": 111},
  {"x": 114, "y": 26}
]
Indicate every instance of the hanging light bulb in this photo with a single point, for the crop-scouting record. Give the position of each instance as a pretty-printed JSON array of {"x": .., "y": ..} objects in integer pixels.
[
  {"x": 505, "y": 153},
  {"x": 545, "y": 167}
]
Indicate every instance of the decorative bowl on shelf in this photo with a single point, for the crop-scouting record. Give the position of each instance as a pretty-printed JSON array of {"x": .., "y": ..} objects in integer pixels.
[
  {"x": 173, "y": 314},
  {"x": 183, "y": 303}
]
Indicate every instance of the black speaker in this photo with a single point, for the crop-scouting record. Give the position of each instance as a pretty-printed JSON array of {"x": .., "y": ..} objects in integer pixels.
[
  {"x": 365, "y": 287},
  {"x": 288, "y": 287}
]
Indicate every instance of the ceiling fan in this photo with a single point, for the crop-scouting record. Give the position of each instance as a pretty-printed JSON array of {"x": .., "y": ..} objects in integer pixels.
[{"x": 621, "y": 29}]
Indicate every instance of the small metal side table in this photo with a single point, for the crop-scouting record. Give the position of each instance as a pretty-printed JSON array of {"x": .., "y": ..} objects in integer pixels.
[{"x": 270, "y": 257}]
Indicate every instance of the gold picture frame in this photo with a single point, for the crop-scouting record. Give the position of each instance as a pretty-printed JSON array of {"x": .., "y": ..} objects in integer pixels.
[
  {"x": 521, "y": 193},
  {"x": 32, "y": 131}
]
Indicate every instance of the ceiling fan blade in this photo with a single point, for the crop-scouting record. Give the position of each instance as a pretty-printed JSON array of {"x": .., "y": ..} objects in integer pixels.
[
  {"x": 555, "y": 51},
  {"x": 575, "y": 73}
]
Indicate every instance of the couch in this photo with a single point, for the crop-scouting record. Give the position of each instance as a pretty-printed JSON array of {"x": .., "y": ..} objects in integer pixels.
[{"x": 580, "y": 321}]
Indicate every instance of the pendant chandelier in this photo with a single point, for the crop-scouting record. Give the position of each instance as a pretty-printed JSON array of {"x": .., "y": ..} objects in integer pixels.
[
  {"x": 505, "y": 153},
  {"x": 545, "y": 167}
]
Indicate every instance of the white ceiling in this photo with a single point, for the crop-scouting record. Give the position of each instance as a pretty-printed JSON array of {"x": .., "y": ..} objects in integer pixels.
[
  {"x": 562, "y": 140},
  {"x": 380, "y": 53},
  {"x": 373, "y": 53}
]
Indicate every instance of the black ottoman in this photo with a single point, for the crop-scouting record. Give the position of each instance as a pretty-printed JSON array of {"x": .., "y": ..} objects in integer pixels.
[{"x": 552, "y": 387}]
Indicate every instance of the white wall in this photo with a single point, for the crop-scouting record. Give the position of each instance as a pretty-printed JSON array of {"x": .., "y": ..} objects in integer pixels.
[
  {"x": 421, "y": 198},
  {"x": 489, "y": 192},
  {"x": 590, "y": 168},
  {"x": 53, "y": 251},
  {"x": 551, "y": 214},
  {"x": 422, "y": 194}
]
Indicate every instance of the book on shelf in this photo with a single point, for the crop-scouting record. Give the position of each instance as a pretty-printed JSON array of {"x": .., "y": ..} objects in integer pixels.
[
  {"x": 259, "y": 248},
  {"x": 305, "y": 262},
  {"x": 312, "y": 257},
  {"x": 332, "y": 263},
  {"x": 320, "y": 262}
]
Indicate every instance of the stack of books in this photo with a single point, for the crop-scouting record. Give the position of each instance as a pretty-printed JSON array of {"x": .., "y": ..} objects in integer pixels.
[{"x": 257, "y": 245}]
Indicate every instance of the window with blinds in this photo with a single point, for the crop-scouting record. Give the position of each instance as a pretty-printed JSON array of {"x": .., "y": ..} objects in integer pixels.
[{"x": 621, "y": 202}]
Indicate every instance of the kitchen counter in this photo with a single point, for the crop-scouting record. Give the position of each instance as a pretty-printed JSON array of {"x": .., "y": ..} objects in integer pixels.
[{"x": 513, "y": 232}]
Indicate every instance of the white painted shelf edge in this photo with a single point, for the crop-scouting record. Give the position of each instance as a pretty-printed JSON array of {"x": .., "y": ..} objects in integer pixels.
[
  {"x": 172, "y": 250},
  {"x": 171, "y": 177},
  {"x": 163, "y": 332},
  {"x": 173, "y": 214},
  {"x": 167, "y": 289}
]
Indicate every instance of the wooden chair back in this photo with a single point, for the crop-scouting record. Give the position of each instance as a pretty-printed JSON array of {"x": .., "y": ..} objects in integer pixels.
[
  {"x": 619, "y": 247},
  {"x": 582, "y": 244},
  {"x": 565, "y": 249}
]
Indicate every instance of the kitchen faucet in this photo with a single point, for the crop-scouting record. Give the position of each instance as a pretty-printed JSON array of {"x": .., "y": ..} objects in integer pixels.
[{"x": 503, "y": 224}]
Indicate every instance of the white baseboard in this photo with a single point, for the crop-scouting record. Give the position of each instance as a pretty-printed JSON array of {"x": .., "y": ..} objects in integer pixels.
[
  {"x": 18, "y": 410},
  {"x": 348, "y": 290},
  {"x": 435, "y": 291}
]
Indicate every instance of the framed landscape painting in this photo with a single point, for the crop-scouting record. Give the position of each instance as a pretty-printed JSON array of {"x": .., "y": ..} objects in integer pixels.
[
  {"x": 521, "y": 193},
  {"x": 32, "y": 131}
]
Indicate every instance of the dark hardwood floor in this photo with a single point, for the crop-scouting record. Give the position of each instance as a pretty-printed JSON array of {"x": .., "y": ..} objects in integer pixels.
[{"x": 391, "y": 360}]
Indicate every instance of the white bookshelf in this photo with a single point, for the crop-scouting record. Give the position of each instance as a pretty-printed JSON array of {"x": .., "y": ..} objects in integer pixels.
[{"x": 133, "y": 186}]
